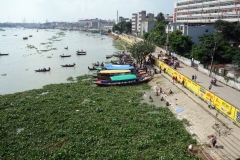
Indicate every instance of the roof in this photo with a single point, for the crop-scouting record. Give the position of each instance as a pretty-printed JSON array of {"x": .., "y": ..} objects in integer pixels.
[
  {"x": 118, "y": 67},
  {"x": 115, "y": 71},
  {"x": 123, "y": 77}
]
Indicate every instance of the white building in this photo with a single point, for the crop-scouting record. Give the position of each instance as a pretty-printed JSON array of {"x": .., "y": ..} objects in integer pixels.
[
  {"x": 138, "y": 18},
  {"x": 147, "y": 26},
  {"x": 192, "y": 30},
  {"x": 206, "y": 11}
]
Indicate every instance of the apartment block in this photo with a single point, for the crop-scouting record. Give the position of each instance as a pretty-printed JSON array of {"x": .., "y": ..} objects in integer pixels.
[
  {"x": 122, "y": 19},
  {"x": 206, "y": 11},
  {"x": 138, "y": 18},
  {"x": 134, "y": 22}
]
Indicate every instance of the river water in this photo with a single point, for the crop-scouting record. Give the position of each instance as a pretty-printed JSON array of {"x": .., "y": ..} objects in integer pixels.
[{"x": 17, "y": 69}]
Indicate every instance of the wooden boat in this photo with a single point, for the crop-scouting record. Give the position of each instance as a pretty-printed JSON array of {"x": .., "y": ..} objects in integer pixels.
[
  {"x": 98, "y": 64},
  {"x": 109, "y": 56},
  {"x": 4, "y": 54},
  {"x": 66, "y": 48},
  {"x": 30, "y": 35},
  {"x": 122, "y": 80},
  {"x": 24, "y": 38},
  {"x": 81, "y": 53},
  {"x": 68, "y": 65},
  {"x": 65, "y": 56},
  {"x": 93, "y": 68},
  {"x": 43, "y": 70}
]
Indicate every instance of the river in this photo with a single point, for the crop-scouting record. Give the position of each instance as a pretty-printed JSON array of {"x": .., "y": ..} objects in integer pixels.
[{"x": 17, "y": 69}]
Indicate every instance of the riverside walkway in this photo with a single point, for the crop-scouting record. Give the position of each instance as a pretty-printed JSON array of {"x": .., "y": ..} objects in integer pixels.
[{"x": 203, "y": 120}]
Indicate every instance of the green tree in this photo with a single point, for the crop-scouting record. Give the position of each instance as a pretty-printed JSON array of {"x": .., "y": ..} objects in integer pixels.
[
  {"x": 123, "y": 27},
  {"x": 145, "y": 35},
  {"x": 109, "y": 31},
  {"x": 179, "y": 43},
  {"x": 160, "y": 18},
  {"x": 141, "y": 49},
  {"x": 214, "y": 45},
  {"x": 158, "y": 35}
]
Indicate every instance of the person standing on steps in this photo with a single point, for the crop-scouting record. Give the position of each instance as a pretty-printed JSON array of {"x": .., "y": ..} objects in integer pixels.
[
  {"x": 209, "y": 103},
  {"x": 193, "y": 77}
]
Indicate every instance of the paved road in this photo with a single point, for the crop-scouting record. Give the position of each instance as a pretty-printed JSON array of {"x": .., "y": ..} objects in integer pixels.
[{"x": 225, "y": 92}]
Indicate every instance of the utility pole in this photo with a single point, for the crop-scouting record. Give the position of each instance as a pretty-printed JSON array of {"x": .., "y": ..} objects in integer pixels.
[
  {"x": 167, "y": 39},
  {"x": 213, "y": 52}
]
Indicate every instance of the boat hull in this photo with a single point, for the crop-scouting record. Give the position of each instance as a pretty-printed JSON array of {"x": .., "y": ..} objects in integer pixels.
[{"x": 106, "y": 83}]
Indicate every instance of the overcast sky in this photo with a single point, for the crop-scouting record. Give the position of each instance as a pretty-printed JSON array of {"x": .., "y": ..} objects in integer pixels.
[{"x": 72, "y": 10}]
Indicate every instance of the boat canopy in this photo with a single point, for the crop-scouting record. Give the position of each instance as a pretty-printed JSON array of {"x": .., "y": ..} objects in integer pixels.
[
  {"x": 123, "y": 77},
  {"x": 114, "y": 71},
  {"x": 118, "y": 67}
]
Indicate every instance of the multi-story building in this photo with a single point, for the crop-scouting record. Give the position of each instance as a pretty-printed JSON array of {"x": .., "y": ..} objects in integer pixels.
[
  {"x": 206, "y": 11},
  {"x": 168, "y": 18},
  {"x": 138, "y": 18},
  {"x": 141, "y": 17},
  {"x": 134, "y": 22},
  {"x": 147, "y": 26},
  {"x": 122, "y": 19}
]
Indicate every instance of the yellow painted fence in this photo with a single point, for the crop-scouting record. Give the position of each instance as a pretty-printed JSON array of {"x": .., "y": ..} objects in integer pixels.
[{"x": 217, "y": 102}]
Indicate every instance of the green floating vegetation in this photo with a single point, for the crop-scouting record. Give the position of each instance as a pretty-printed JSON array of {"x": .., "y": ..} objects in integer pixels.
[
  {"x": 46, "y": 43},
  {"x": 70, "y": 79},
  {"x": 61, "y": 33},
  {"x": 31, "y": 46},
  {"x": 79, "y": 120}
]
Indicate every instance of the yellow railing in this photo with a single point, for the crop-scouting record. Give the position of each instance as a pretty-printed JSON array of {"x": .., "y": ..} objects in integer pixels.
[{"x": 220, "y": 104}]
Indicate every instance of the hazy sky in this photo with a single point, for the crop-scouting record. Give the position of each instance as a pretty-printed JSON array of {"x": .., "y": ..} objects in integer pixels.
[{"x": 72, "y": 10}]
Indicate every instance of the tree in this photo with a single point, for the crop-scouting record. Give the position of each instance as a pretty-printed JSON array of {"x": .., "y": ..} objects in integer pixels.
[
  {"x": 158, "y": 35},
  {"x": 179, "y": 43},
  {"x": 109, "y": 31},
  {"x": 161, "y": 18},
  {"x": 141, "y": 49},
  {"x": 123, "y": 27},
  {"x": 214, "y": 45},
  {"x": 145, "y": 35}
]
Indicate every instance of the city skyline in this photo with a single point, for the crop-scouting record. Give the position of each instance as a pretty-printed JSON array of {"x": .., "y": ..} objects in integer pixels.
[{"x": 70, "y": 11}]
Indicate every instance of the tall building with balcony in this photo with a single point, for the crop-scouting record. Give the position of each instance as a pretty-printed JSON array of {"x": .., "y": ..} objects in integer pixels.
[
  {"x": 134, "y": 22},
  {"x": 138, "y": 18},
  {"x": 206, "y": 11},
  {"x": 141, "y": 17}
]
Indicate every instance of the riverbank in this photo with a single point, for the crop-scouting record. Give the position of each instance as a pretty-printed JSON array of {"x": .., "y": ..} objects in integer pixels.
[{"x": 80, "y": 120}]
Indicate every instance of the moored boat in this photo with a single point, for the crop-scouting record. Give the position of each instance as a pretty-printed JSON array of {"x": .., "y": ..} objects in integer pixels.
[
  {"x": 118, "y": 67},
  {"x": 109, "y": 56},
  {"x": 94, "y": 68},
  {"x": 24, "y": 38},
  {"x": 122, "y": 80}
]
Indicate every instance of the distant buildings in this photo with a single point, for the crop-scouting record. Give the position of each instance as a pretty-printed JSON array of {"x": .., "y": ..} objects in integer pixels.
[
  {"x": 138, "y": 18},
  {"x": 121, "y": 19},
  {"x": 95, "y": 23}
]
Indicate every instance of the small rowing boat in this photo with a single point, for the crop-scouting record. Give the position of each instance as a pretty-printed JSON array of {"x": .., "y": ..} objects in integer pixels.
[
  {"x": 65, "y": 56},
  {"x": 69, "y": 65}
]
